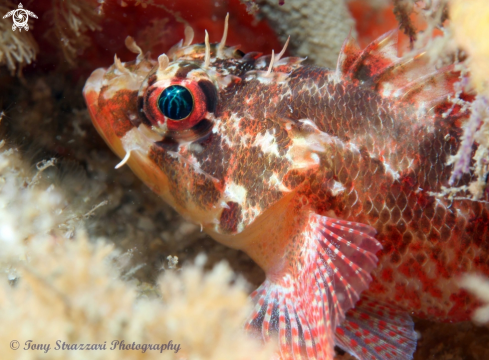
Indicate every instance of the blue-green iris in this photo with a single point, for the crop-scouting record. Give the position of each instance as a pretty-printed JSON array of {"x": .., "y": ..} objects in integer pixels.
[{"x": 176, "y": 102}]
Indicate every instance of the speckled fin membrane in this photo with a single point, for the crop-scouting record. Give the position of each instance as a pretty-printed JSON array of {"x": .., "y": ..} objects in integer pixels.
[
  {"x": 374, "y": 331},
  {"x": 303, "y": 305}
]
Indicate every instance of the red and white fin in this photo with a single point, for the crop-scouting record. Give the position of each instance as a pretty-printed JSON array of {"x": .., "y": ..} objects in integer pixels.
[
  {"x": 375, "y": 331},
  {"x": 409, "y": 78},
  {"x": 304, "y": 303},
  {"x": 348, "y": 53}
]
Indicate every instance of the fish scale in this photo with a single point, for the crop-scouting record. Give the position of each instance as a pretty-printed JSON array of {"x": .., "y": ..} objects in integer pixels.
[{"x": 331, "y": 180}]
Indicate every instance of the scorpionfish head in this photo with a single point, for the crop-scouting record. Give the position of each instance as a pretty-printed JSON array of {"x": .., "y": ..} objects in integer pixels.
[{"x": 197, "y": 126}]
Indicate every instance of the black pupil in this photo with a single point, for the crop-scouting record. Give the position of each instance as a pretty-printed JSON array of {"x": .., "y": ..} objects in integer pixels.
[{"x": 176, "y": 102}]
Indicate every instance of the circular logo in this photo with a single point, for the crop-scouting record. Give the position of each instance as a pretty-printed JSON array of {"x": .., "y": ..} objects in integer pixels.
[
  {"x": 14, "y": 344},
  {"x": 20, "y": 17}
]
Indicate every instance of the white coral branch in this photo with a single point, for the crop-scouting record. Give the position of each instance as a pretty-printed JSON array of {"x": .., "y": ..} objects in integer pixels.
[
  {"x": 476, "y": 130},
  {"x": 479, "y": 286}
]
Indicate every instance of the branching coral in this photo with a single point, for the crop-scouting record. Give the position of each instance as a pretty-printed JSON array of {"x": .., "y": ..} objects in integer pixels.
[
  {"x": 71, "y": 20},
  {"x": 69, "y": 292},
  {"x": 25, "y": 210},
  {"x": 476, "y": 129},
  {"x": 470, "y": 24}
]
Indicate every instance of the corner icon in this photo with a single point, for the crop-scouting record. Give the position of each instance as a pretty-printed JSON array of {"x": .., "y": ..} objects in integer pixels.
[{"x": 20, "y": 17}]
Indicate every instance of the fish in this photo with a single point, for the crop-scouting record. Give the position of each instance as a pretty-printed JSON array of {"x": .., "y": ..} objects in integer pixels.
[{"x": 331, "y": 180}]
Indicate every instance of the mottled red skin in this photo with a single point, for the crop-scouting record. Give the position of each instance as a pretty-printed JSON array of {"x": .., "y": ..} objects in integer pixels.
[
  {"x": 415, "y": 232},
  {"x": 386, "y": 157}
]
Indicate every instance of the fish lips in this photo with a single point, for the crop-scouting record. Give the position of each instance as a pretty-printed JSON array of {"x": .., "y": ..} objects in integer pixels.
[{"x": 113, "y": 112}]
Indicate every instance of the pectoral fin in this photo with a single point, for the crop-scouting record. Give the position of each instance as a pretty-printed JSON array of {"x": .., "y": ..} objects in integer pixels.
[{"x": 328, "y": 265}]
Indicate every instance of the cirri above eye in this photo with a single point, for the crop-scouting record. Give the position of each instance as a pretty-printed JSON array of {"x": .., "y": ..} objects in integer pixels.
[{"x": 176, "y": 102}]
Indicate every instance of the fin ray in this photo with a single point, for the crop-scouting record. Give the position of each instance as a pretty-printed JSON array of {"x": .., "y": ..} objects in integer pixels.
[
  {"x": 321, "y": 284},
  {"x": 268, "y": 315},
  {"x": 348, "y": 53},
  {"x": 411, "y": 78},
  {"x": 383, "y": 48}
]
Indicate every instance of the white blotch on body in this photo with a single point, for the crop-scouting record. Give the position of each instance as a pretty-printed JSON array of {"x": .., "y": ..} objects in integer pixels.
[
  {"x": 236, "y": 193},
  {"x": 267, "y": 143},
  {"x": 337, "y": 188}
]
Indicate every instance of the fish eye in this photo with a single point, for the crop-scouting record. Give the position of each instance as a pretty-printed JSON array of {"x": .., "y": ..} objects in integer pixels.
[{"x": 176, "y": 102}]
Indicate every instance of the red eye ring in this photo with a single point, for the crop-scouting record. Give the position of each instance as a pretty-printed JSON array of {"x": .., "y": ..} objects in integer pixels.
[{"x": 152, "y": 110}]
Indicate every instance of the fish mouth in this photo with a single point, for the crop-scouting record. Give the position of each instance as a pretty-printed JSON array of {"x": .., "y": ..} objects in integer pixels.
[
  {"x": 91, "y": 93},
  {"x": 112, "y": 103},
  {"x": 110, "y": 114}
]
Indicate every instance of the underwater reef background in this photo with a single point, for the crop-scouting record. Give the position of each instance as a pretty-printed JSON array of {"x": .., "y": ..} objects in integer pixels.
[{"x": 88, "y": 253}]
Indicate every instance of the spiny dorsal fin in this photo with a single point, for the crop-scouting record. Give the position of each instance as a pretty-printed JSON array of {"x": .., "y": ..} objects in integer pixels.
[
  {"x": 378, "y": 55},
  {"x": 410, "y": 78},
  {"x": 348, "y": 54},
  {"x": 433, "y": 83}
]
